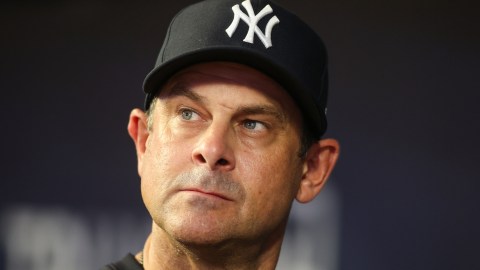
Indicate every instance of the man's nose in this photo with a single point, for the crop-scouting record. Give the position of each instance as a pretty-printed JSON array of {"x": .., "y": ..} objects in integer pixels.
[{"x": 214, "y": 150}]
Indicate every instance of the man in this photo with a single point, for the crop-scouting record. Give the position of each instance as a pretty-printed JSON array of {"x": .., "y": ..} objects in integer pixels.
[{"x": 235, "y": 111}]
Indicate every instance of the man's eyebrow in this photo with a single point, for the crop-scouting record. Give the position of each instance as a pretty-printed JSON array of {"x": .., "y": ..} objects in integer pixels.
[
  {"x": 183, "y": 90},
  {"x": 262, "y": 109}
]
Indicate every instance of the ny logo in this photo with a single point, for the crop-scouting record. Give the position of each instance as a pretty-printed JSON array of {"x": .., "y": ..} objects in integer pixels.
[{"x": 251, "y": 20}]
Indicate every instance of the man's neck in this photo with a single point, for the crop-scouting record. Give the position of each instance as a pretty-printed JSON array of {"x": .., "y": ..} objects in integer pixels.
[{"x": 163, "y": 252}]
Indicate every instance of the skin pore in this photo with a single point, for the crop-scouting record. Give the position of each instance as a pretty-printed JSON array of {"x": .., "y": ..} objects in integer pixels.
[{"x": 219, "y": 168}]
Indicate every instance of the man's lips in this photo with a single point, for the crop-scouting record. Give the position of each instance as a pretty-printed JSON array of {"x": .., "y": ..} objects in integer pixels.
[{"x": 209, "y": 193}]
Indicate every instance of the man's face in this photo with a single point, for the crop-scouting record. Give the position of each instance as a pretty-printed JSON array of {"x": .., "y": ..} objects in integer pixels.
[{"x": 221, "y": 160}]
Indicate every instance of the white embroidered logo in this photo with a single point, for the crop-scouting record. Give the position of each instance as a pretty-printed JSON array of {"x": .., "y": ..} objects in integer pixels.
[{"x": 252, "y": 21}]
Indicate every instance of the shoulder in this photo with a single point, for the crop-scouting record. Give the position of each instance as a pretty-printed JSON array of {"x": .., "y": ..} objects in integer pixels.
[{"x": 127, "y": 263}]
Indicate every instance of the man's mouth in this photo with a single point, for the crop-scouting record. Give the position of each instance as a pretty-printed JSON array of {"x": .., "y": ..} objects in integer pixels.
[{"x": 207, "y": 193}]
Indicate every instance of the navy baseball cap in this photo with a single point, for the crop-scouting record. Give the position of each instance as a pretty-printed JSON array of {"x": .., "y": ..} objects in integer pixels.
[{"x": 256, "y": 33}]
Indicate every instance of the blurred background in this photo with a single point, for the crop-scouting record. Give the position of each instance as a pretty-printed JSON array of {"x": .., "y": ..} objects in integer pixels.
[{"x": 404, "y": 97}]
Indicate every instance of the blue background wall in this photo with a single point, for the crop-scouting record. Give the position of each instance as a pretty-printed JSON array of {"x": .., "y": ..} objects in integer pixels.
[{"x": 404, "y": 104}]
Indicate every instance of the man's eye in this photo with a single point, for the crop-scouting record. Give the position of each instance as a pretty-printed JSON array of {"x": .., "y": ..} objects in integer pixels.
[
  {"x": 253, "y": 125},
  {"x": 189, "y": 114}
]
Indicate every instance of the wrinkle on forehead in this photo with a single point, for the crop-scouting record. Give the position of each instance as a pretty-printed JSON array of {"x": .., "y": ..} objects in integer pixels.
[
  {"x": 233, "y": 73},
  {"x": 181, "y": 89}
]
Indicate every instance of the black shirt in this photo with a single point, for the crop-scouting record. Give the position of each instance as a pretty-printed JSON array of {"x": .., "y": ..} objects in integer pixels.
[{"x": 127, "y": 263}]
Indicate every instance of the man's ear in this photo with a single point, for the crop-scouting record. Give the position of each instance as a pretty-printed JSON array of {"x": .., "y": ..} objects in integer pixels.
[
  {"x": 138, "y": 130},
  {"x": 318, "y": 164}
]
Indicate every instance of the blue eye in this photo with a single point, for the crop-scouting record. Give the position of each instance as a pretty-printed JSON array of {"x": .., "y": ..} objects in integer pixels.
[
  {"x": 254, "y": 125},
  {"x": 187, "y": 114},
  {"x": 250, "y": 124}
]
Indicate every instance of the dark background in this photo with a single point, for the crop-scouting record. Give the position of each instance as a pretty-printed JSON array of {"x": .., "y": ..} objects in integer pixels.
[{"x": 403, "y": 103}]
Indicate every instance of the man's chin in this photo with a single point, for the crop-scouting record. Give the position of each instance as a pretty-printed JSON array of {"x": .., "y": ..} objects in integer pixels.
[
  {"x": 198, "y": 229},
  {"x": 198, "y": 237}
]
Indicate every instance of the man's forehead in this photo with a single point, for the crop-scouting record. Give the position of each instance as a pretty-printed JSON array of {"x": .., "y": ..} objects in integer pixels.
[
  {"x": 227, "y": 73},
  {"x": 185, "y": 82}
]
